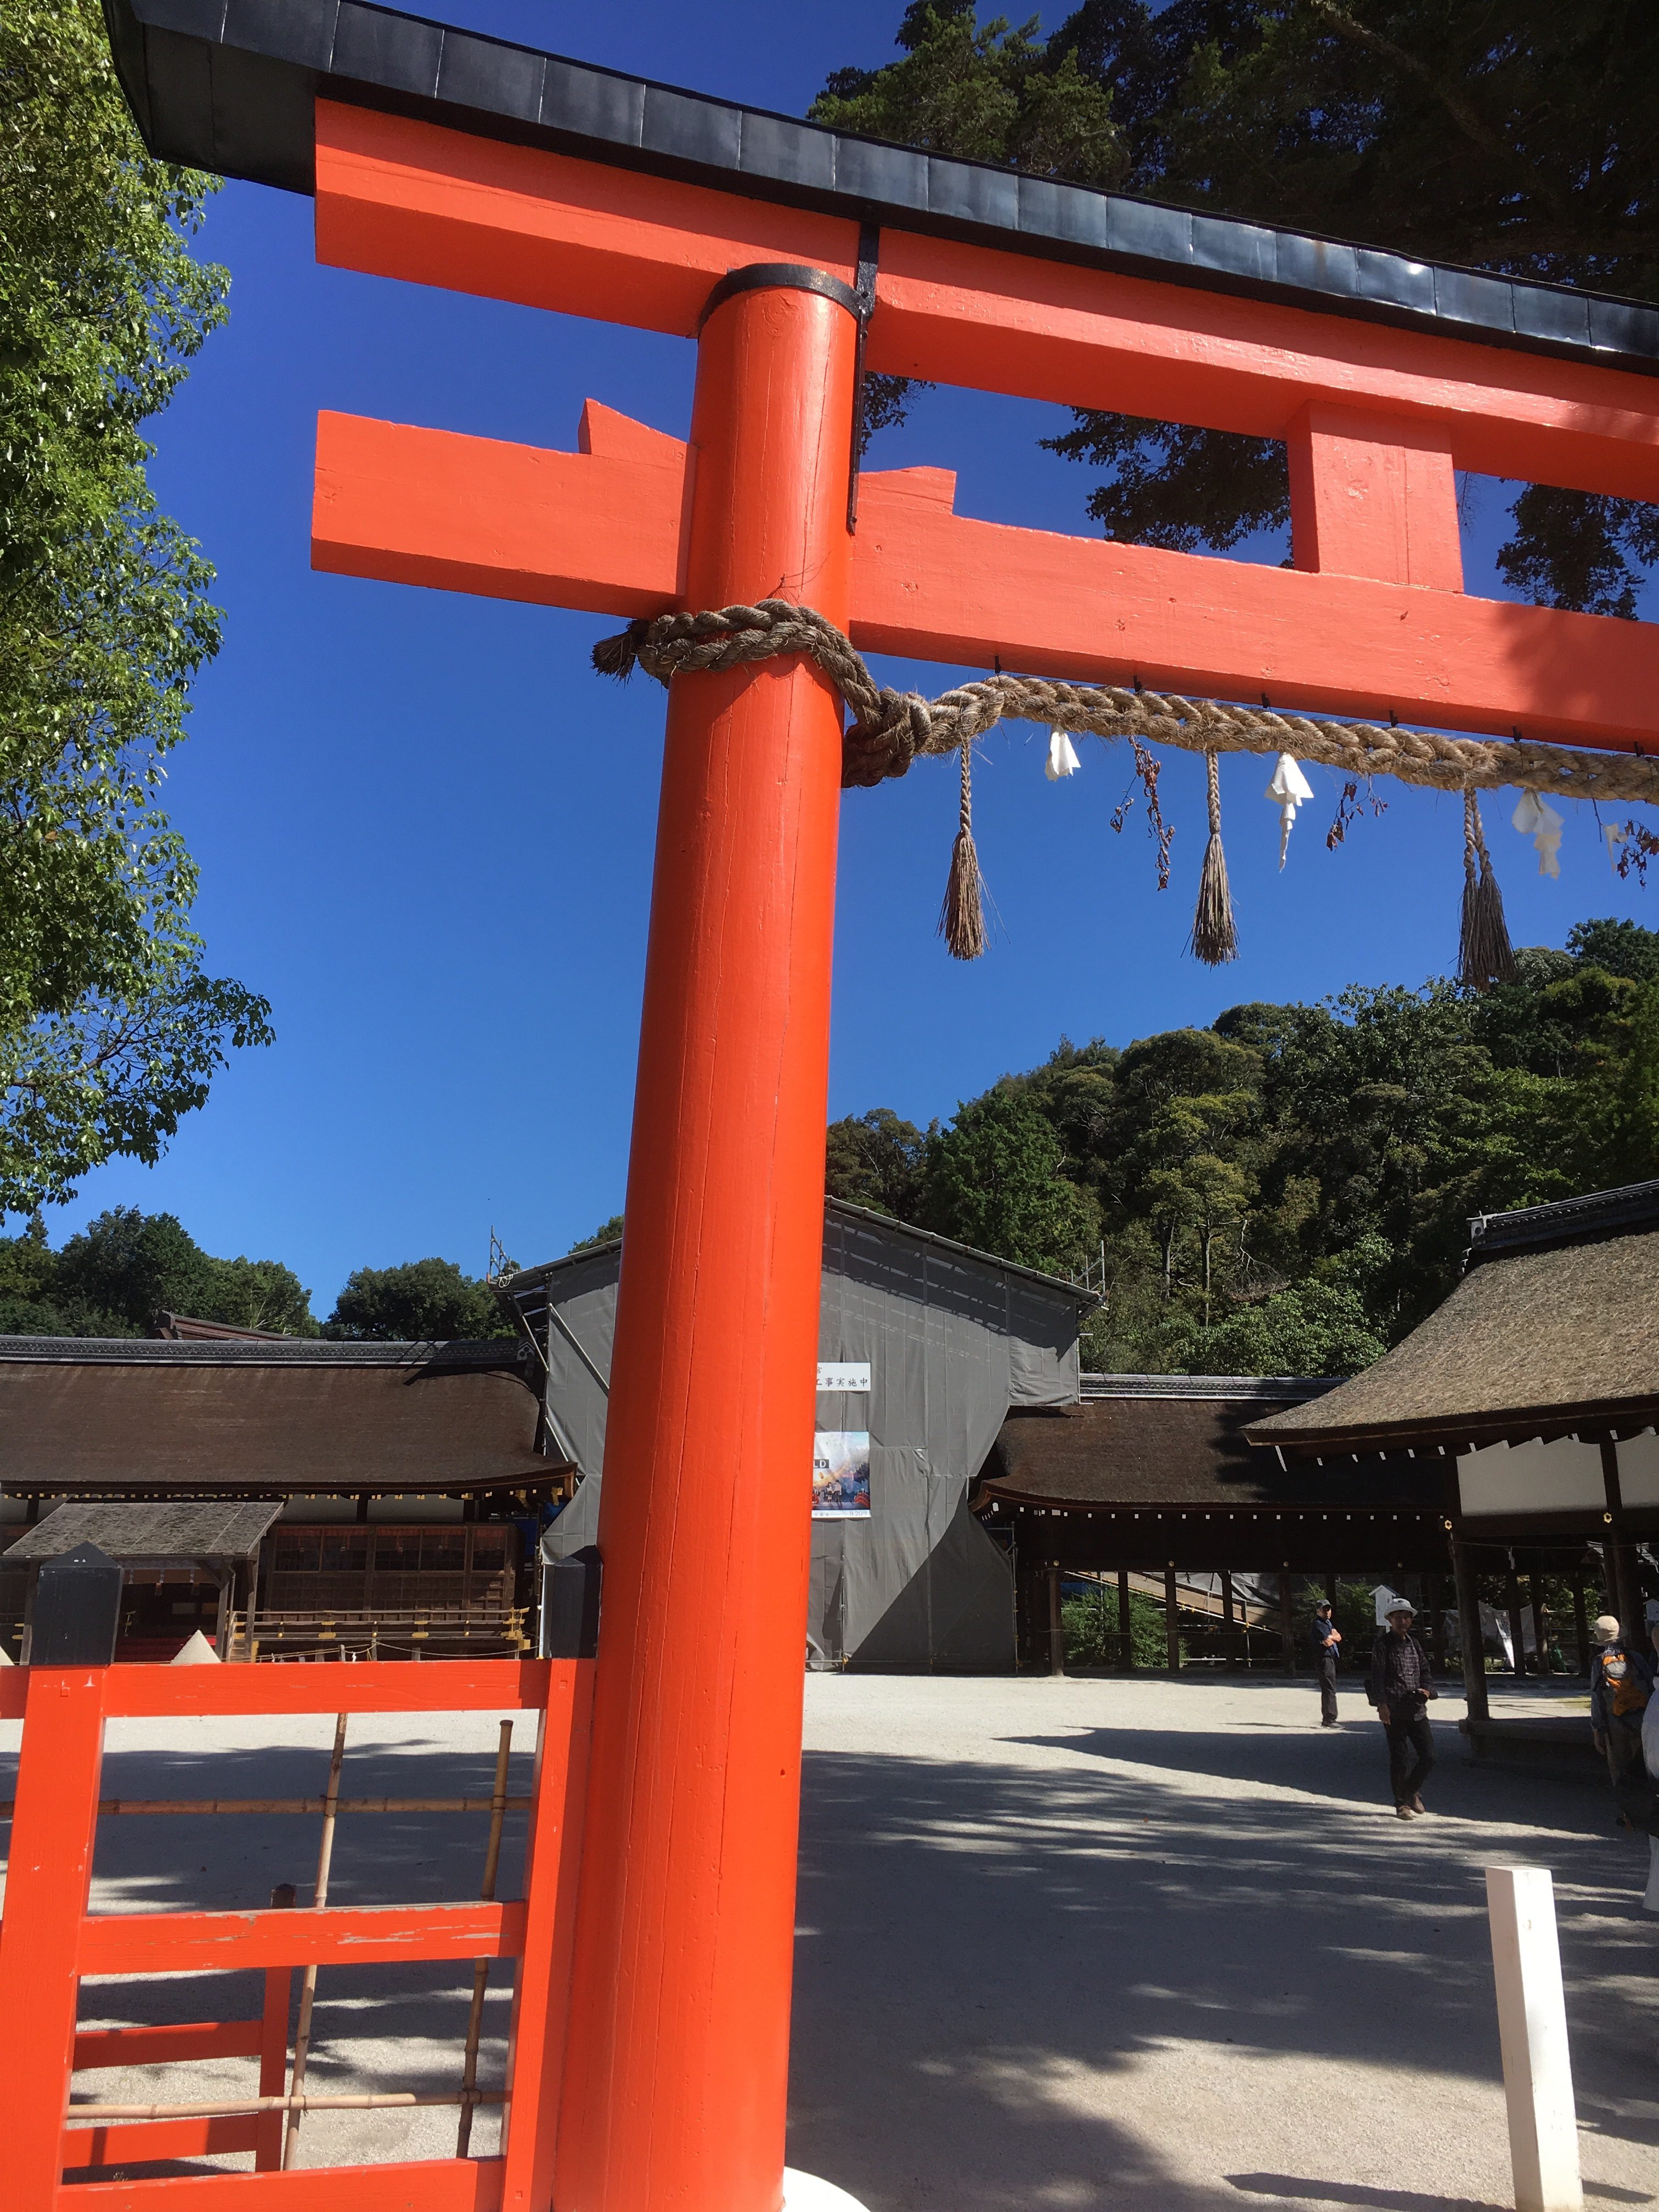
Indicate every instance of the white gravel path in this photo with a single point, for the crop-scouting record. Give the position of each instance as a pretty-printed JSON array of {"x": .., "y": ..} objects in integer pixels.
[
  {"x": 1099, "y": 1943},
  {"x": 1079, "y": 1944}
]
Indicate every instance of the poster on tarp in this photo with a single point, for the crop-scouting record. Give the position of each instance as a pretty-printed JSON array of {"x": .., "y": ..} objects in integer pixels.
[{"x": 841, "y": 1474}]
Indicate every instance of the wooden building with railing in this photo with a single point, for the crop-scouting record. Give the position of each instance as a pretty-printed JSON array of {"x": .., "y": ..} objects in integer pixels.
[{"x": 409, "y": 1481}]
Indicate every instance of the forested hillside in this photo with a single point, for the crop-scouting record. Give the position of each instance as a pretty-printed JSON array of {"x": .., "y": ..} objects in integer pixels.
[
  {"x": 1289, "y": 1190},
  {"x": 1285, "y": 1192}
]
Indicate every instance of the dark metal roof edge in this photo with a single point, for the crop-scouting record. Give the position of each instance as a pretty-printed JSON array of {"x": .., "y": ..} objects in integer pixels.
[
  {"x": 1284, "y": 1389},
  {"x": 1593, "y": 1216},
  {"x": 532, "y": 1279},
  {"x": 868, "y": 1216},
  {"x": 1467, "y": 1428},
  {"x": 480, "y": 1353},
  {"x": 377, "y": 57}
]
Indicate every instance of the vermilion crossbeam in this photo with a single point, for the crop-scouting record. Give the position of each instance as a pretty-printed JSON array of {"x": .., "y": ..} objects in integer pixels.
[
  {"x": 126, "y": 2141},
  {"x": 459, "y": 1685},
  {"x": 212, "y": 1942},
  {"x": 602, "y": 529},
  {"x": 455, "y": 2184},
  {"x": 170, "y": 2045}
]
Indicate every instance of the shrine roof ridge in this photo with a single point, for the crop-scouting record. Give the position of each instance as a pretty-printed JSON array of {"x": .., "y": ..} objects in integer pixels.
[{"x": 229, "y": 85}]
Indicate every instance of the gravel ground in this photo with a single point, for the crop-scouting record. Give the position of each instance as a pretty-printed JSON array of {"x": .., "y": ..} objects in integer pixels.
[
  {"x": 1099, "y": 1943},
  {"x": 1079, "y": 1944}
]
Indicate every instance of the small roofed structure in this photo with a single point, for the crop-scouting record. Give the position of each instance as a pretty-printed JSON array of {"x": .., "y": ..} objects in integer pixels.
[
  {"x": 180, "y": 1564},
  {"x": 1538, "y": 1380},
  {"x": 1151, "y": 1477}
]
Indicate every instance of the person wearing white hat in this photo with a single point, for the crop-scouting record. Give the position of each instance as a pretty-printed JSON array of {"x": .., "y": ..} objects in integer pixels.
[{"x": 1401, "y": 1684}]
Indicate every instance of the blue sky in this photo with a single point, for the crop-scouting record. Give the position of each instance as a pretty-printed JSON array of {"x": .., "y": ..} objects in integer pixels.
[{"x": 424, "y": 827}]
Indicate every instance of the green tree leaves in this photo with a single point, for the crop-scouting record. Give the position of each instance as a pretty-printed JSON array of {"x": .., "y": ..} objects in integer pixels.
[
  {"x": 876, "y": 1160},
  {"x": 127, "y": 1267},
  {"x": 423, "y": 1301},
  {"x": 1289, "y": 1191},
  {"x": 109, "y": 1031},
  {"x": 989, "y": 92},
  {"x": 995, "y": 1179}
]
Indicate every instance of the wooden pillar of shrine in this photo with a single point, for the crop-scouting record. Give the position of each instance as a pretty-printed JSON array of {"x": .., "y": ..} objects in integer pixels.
[
  {"x": 1056, "y": 1625},
  {"x": 679, "y": 2020}
]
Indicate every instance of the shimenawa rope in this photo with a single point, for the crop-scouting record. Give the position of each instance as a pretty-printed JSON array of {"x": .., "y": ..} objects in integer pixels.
[{"x": 889, "y": 729}]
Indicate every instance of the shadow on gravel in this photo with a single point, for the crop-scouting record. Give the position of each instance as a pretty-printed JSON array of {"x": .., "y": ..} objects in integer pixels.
[
  {"x": 981, "y": 1947},
  {"x": 1344, "y": 2192}
]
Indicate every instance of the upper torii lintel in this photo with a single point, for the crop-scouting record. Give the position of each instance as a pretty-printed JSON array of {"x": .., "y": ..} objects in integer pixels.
[{"x": 439, "y": 157}]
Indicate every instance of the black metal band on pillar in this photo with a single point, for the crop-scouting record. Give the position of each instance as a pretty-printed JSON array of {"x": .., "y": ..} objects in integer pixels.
[{"x": 780, "y": 277}]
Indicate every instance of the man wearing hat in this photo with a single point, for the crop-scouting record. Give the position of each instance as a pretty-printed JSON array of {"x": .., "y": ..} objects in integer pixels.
[
  {"x": 1621, "y": 1683},
  {"x": 1400, "y": 1687}
]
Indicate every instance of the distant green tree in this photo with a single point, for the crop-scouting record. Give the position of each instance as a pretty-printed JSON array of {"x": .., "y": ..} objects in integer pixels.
[
  {"x": 423, "y": 1301},
  {"x": 876, "y": 1159},
  {"x": 1291, "y": 1189},
  {"x": 260, "y": 1294},
  {"x": 606, "y": 1233},
  {"x": 1090, "y": 1629},
  {"x": 110, "y": 1031},
  {"x": 29, "y": 1278},
  {"x": 1618, "y": 1100},
  {"x": 995, "y": 1179},
  {"x": 1310, "y": 1328},
  {"x": 136, "y": 1264},
  {"x": 1619, "y": 947},
  {"x": 125, "y": 1267}
]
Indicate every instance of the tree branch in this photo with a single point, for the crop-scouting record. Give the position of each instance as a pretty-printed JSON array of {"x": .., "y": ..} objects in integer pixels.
[{"x": 1477, "y": 132}]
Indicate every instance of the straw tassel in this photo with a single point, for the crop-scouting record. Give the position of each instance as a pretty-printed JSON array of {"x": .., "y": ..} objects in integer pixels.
[
  {"x": 1214, "y": 939},
  {"x": 962, "y": 917},
  {"x": 1485, "y": 954}
]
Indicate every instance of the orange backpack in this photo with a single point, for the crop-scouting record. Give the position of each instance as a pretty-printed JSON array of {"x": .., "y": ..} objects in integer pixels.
[{"x": 1627, "y": 1692}]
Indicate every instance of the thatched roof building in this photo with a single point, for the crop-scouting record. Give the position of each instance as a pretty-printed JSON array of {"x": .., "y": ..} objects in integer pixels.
[
  {"x": 1554, "y": 1326},
  {"x": 1539, "y": 1377}
]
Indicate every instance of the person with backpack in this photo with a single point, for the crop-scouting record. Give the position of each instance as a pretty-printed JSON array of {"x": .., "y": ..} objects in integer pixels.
[
  {"x": 1621, "y": 1685},
  {"x": 1401, "y": 1684}
]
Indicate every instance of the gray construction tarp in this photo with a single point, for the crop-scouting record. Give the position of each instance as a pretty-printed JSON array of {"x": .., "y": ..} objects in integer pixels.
[{"x": 953, "y": 1339}]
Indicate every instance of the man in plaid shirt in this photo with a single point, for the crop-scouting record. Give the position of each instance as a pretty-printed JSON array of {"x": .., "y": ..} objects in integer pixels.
[{"x": 1400, "y": 1687}]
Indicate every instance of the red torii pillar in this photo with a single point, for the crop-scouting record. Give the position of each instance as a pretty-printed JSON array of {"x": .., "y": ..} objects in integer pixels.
[
  {"x": 678, "y": 2029},
  {"x": 678, "y": 2073}
]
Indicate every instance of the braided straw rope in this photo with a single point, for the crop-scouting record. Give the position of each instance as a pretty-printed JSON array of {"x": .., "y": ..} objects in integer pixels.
[{"x": 891, "y": 729}]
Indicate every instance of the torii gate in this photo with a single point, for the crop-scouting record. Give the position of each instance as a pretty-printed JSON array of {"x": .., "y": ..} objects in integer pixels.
[{"x": 792, "y": 253}]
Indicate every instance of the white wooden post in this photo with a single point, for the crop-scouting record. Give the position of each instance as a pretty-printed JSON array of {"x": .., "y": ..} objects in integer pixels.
[{"x": 1532, "y": 2025}]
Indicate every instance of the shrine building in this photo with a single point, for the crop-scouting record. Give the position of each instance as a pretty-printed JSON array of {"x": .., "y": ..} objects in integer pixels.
[{"x": 1535, "y": 1387}]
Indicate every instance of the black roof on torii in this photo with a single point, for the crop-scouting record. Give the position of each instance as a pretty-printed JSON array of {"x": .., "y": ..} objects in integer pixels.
[{"x": 229, "y": 85}]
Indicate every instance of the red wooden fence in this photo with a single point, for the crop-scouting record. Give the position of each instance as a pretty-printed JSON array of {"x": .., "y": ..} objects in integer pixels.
[{"x": 48, "y": 1940}]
